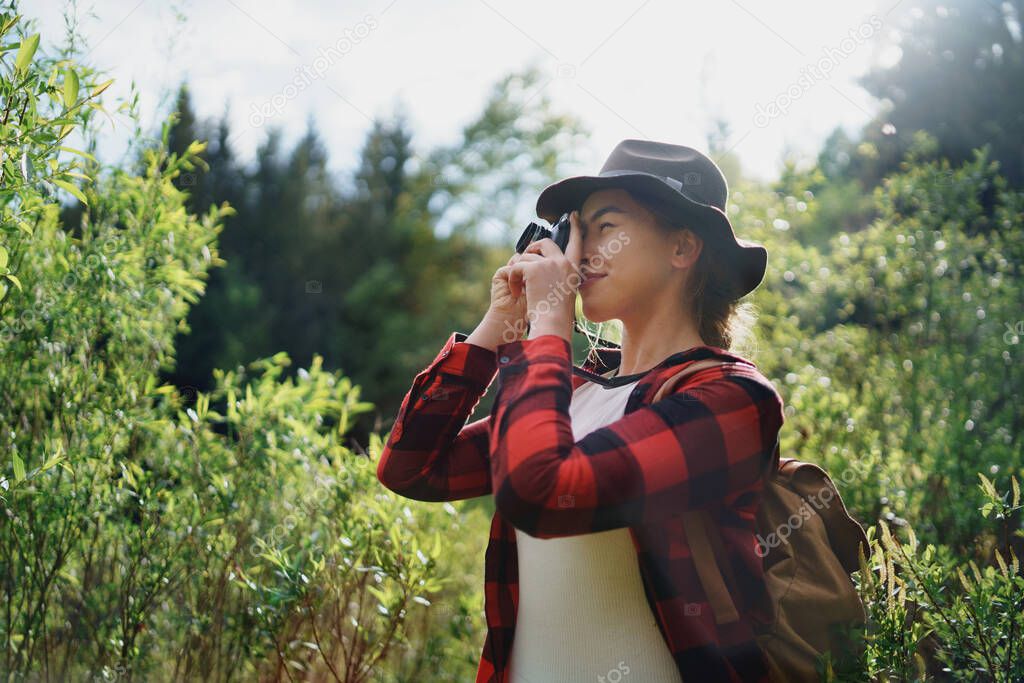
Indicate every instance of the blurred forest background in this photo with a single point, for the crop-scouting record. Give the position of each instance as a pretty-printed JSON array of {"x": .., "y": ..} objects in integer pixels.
[{"x": 184, "y": 333}]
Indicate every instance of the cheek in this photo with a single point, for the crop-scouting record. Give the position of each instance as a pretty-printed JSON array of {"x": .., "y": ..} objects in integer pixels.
[
  {"x": 614, "y": 253},
  {"x": 636, "y": 273},
  {"x": 624, "y": 260}
]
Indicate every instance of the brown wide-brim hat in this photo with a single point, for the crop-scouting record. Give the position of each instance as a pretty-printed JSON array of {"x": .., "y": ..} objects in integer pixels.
[{"x": 690, "y": 189}]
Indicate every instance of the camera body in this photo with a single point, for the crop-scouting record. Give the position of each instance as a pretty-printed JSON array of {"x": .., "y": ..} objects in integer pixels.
[{"x": 533, "y": 232}]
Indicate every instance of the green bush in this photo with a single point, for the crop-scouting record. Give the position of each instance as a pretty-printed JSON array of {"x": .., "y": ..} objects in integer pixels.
[
  {"x": 934, "y": 615},
  {"x": 145, "y": 534}
]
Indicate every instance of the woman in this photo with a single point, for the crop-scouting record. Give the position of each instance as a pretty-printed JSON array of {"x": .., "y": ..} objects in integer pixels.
[{"x": 588, "y": 571}]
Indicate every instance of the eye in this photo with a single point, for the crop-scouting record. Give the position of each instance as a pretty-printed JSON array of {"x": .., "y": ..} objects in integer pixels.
[{"x": 604, "y": 225}]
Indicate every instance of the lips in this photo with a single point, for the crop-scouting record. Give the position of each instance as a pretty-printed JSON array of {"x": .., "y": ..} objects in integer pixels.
[{"x": 590, "y": 277}]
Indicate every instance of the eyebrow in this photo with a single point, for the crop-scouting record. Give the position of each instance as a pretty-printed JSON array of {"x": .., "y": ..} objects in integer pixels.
[{"x": 602, "y": 211}]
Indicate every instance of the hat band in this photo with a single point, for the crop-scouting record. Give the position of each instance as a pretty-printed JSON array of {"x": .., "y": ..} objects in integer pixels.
[
  {"x": 677, "y": 185},
  {"x": 674, "y": 183}
]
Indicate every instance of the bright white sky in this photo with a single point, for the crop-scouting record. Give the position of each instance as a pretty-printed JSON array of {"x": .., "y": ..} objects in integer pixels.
[{"x": 658, "y": 69}]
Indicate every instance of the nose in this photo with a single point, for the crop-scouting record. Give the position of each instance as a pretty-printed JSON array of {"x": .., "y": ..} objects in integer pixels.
[{"x": 586, "y": 249}]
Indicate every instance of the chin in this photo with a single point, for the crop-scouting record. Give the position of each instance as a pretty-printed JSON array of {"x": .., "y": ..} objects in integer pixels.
[{"x": 595, "y": 313}]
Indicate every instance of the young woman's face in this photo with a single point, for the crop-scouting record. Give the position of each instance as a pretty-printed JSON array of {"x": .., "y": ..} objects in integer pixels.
[{"x": 634, "y": 262}]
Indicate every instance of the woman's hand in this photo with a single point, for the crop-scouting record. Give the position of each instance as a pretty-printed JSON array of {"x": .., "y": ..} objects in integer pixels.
[
  {"x": 505, "y": 319},
  {"x": 550, "y": 279},
  {"x": 506, "y": 316}
]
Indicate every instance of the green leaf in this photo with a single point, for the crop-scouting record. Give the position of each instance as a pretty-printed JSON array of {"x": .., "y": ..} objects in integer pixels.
[
  {"x": 14, "y": 278},
  {"x": 70, "y": 88},
  {"x": 100, "y": 88},
  {"x": 26, "y": 166},
  {"x": 72, "y": 189},
  {"x": 986, "y": 485},
  {"x": 79, "y": 152},
  {"x": 19, "y": 468},
  {"x": 9, "y": 23},
  {"x": 26, "y": 52},
  {"x": 3, "y": 258},
  {"x": 378, "y": 593},
  {"x": 128, "y": 476},
  {"x": 54, "y": 459}
]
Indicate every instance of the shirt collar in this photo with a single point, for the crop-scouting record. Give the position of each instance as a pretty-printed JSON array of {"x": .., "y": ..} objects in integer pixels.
[{"x": 603, "y": 358}]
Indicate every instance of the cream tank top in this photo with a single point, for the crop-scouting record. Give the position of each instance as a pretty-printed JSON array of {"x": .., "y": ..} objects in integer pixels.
[{"x": 583, "y": 615}]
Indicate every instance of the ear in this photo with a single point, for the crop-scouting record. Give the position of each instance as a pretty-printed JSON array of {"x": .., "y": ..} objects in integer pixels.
[{"x": 686, "y": 248}]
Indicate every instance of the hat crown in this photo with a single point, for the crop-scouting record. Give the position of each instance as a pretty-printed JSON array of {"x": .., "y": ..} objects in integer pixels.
[{"x": 688, "y": 170}]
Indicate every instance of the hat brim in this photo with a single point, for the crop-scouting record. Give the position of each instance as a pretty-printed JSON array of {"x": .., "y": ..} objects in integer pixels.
[{"x": 745, "y": 260}]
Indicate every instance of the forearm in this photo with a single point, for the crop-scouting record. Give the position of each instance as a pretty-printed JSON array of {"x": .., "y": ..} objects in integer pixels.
[
  {"x": 491, "y": 332},
  {"x": 426, "y": 456}
]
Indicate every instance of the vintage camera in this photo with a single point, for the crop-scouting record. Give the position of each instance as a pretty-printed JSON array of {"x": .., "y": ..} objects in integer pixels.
[
  {"x": 533, "y": 232},
  {"x": 559, "y": 233}
]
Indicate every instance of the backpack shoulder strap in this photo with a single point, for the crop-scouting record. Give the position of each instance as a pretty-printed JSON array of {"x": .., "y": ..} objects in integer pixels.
[
  {"x": 669, "y": 384},
  {"x": 697, "y": 526}
]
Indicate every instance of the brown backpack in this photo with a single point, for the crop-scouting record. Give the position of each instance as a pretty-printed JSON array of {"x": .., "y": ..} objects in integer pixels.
[{"x": 809, "y": 544}]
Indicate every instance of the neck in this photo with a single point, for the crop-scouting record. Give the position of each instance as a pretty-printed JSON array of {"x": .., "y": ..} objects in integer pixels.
[{"x": 653, "y": 335}]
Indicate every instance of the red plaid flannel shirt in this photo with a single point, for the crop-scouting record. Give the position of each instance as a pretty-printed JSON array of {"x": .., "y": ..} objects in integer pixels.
[{"x": 710, "y": 443}]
